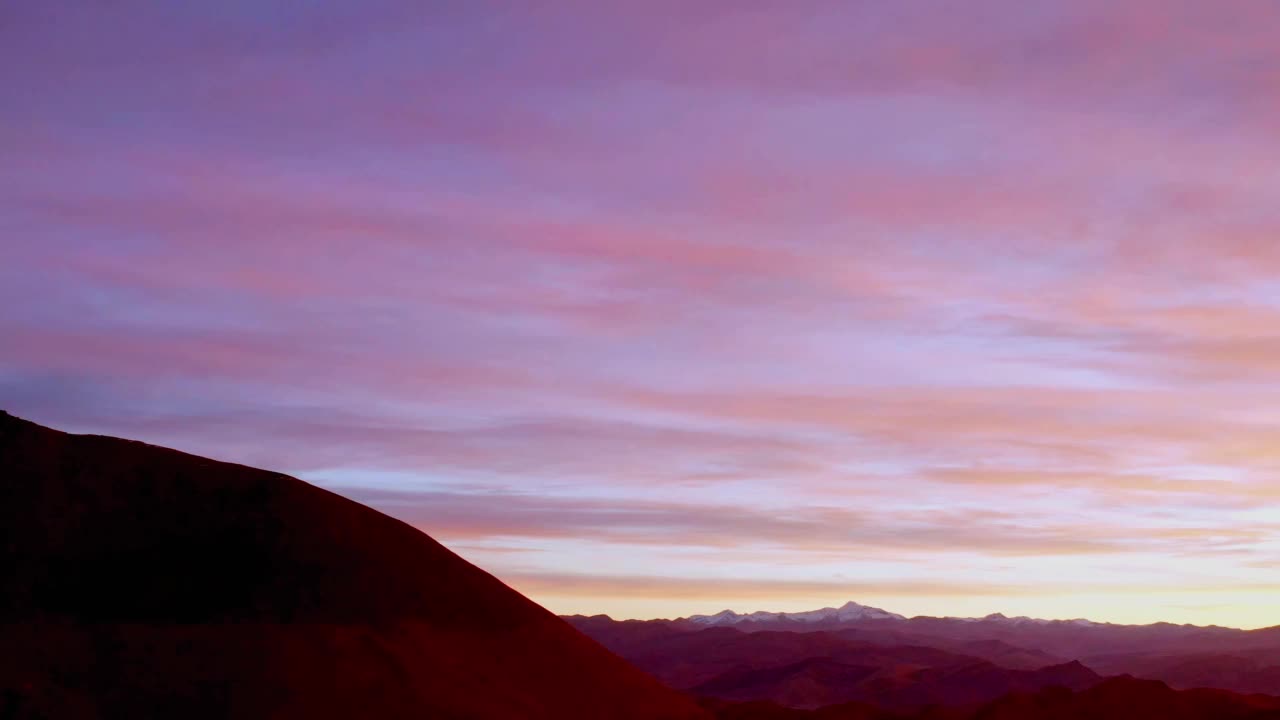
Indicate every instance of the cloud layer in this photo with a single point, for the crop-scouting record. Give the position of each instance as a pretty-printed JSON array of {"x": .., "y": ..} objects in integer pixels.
[{"x": 946, "y": 306}]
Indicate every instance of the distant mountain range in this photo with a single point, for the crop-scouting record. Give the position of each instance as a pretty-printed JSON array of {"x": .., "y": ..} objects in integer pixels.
[
  {"x": 1173, "y": 651},
  {"x": 855, "y": 652},
  {"x": 852, "y": 612},
  {"x": 849, "y": 612},
  {"x": 818, "y": 668}
]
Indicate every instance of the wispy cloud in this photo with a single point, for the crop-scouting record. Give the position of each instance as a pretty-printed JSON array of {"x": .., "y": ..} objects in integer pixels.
[{"x": 849, "y": 286}]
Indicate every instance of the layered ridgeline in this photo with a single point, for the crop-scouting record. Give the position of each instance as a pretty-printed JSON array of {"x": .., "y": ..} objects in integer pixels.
[
  {"x": 1185, "y": 656},
  {"x": 827, "y": 667},
  {"x": 865, "y": 654},
  {"x": 142, "y": 582}
]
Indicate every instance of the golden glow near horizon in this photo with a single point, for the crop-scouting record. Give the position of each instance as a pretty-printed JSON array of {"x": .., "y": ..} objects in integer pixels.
[{"x": 1251, "y": 609}]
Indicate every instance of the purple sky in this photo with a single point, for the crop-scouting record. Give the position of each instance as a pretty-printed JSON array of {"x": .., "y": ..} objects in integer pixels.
[{"x": 654, "y": 308}]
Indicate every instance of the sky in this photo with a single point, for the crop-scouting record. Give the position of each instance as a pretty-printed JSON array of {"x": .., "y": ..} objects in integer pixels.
[{"x": 659, "y": 308}]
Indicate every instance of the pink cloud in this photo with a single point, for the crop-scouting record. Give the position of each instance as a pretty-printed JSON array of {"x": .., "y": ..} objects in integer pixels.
[{"x": 992, "y": 283}]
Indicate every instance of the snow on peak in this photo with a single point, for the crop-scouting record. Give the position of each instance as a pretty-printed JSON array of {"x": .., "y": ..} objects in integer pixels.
[
  {"x": 853, "y": 612},
  {"x": 848, "y": 612},
  {"x": 1023, "y": 619}
]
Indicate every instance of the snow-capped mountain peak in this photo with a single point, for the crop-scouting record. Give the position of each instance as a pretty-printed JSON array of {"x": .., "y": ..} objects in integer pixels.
[
  {"x": 1023, "y": 619},
  {"x": 852, "y": 612},
  {"x": 848, "y": 612}
]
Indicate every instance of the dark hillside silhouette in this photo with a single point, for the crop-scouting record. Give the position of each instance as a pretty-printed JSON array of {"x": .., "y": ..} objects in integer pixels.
[{"x": 137, "y": 581}]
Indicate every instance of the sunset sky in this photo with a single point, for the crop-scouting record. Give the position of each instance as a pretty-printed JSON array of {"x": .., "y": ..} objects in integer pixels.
[{"x": 658, "y": 308}]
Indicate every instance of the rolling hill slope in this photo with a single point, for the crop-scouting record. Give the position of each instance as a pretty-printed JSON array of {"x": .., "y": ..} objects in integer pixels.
[{"x": 137, "y": 581}]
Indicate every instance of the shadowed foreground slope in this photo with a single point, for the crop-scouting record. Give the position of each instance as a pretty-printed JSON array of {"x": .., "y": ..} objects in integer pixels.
[
  {"x": 137, "y": 581},
  {"x": 1122, "y": 698}
]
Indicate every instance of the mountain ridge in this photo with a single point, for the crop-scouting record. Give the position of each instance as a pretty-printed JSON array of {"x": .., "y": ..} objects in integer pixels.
[
  {"x": 848, "y": 612},
  {"x": 852, "y": 610}
]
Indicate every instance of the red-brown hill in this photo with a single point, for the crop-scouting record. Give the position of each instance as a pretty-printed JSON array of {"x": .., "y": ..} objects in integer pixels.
[{"x": 137, "y": 581}]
